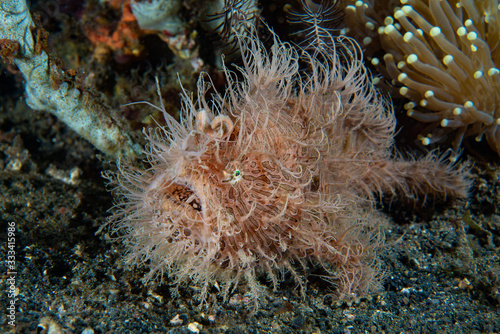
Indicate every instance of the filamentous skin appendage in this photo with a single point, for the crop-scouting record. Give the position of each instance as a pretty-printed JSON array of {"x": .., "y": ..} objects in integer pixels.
[{"x": 273, "y": 176}]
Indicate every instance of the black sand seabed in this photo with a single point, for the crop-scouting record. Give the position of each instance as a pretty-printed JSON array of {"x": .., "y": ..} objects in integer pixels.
[{"x": 442, "y": 261}]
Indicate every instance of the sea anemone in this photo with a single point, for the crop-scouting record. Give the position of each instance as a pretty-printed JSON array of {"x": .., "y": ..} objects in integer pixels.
[
  {"x": 444, "y": 55},
  {"x": 363, "y": 19},
  {"x": 271, "y": 177}
]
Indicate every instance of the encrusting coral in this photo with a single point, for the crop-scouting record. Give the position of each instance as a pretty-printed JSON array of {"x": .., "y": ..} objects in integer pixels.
[
  {"x": 276, "y": 174},
  {"x": 445, "y": 57}
]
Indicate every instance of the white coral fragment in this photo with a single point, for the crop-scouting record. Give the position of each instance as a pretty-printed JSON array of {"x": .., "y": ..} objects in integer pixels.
[
  {"x": 64, "y": 102},
  {"x": 158, "y": 15}
]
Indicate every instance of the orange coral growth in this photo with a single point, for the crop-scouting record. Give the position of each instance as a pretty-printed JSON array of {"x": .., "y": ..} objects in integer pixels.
[
  {"x": 8, "y": 50},
  {"x": 121, "y": 38}
]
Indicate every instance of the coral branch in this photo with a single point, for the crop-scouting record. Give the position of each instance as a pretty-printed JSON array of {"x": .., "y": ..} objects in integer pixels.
[{"x": 66, "y": 103}]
